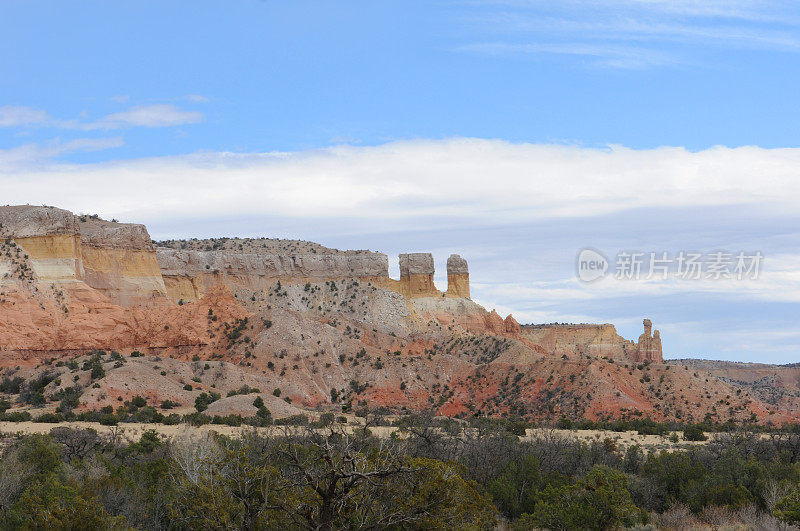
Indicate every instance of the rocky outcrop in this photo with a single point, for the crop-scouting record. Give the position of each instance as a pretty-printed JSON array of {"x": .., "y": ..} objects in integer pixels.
[
  {"x": 595, "y": 340},
  {"x": 416, "y": 275},
  {"x": 189, "y": 274},
  {"x": 580, "y": 340},
  {"x": 457, "y": 277},
  {"x": 84, "y": 319},
  {"x": 50, "y": 239},
  {"x": 511, "y": 325},
  {"x": 648, "y": 348},
  {"x": 29, "y": 221},
  {"x": 119, "y": 260}
]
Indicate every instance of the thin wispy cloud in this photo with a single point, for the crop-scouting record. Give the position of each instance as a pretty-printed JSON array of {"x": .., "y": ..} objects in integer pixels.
[
  {"x": 634, "y": 33},
  {"x": 158, "y": 115},
  {"x": 20, "y": 116},
  {"x": 196, "y": 98},
  {"x": 615, "y": 56},
  {"x": 35, "y": 155},
  {"x": 154, "y": 115}
]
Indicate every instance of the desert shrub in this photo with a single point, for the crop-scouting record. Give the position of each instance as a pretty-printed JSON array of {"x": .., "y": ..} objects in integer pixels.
[
  {"x": 49, "y": 417},
  {"x": 16, "y": 416},
  {"x": 694, "y": 433},
  {"x": 293, "y": 420},
  {"x": 69, "y": 397},
  {"x": 600, "y": 500},
  {"x": 202, "y": 402},
  {"x": 11, "y": 386},
  {"x": 138, "y": 401}
]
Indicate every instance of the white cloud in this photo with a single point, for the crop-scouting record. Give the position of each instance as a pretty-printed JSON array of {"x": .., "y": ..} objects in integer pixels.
[
  {"x": 25, "y": 158},
  {"x": 196, "y": 98},
  {"x": 158, "y": 115},
  {"x": 748, "y": 10},
  {"x": 468, "y": 180},
  {"x": 616, "y": 56},
  {"x": 16, "y": 116},
  {"x": 633, "y": 33},
  {"x": 775, "y": 283}
]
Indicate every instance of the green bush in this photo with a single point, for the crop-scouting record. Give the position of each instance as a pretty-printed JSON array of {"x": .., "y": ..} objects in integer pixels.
[
  {"x": 202, "y": 402},
  {"x": 600, "y": 500},
  {"x": 694, "y": 433}
]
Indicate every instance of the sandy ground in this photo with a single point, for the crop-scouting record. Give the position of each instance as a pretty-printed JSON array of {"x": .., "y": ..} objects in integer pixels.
[
  {"x": 621, "y": 439},
  {"x": 133, "y": 431}
]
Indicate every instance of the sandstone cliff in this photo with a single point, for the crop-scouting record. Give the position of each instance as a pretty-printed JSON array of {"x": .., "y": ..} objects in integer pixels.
[
  {"x": 577, "y": 340},
  {"x": 601, "y": 340},
  {"x": 189, "y": 274},
  {"x": 117, "y": 259},
  {"x": 50, "y": 239}
]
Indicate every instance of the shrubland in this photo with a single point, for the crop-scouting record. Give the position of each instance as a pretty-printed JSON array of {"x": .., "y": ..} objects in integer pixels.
[{"x": 432, "y": 473}]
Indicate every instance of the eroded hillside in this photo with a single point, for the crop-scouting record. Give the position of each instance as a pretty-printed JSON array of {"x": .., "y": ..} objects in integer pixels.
[{"x": 306, "y": 326}]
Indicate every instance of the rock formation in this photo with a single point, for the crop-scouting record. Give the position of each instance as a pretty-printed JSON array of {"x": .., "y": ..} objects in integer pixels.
[
  {"x": 457, "y": 277},
  {"x": 329, "y": 328},
  {"x": 49, "y": 237},
  {"x": 120, "y": 261},
  {"x": 577, "y": 340},
  {"x": 648, "y": 348},
  {"x": 189, "y": 274},
  {"x": 416, "y": 275},
  {"x": 117, "y": 259},
  {"x": 511, "y": 325}
]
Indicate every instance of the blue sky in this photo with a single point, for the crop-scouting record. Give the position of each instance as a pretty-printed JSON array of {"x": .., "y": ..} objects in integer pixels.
[{"x": 514, "y": 132}]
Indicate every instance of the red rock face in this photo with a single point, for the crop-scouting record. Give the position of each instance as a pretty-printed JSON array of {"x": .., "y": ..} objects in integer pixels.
[
  {"x": 449, "y": 355},
  {"x": 39, "y": 326},
  {"x": 649, "y": 346},
  {"x": 511, "y": 325}
]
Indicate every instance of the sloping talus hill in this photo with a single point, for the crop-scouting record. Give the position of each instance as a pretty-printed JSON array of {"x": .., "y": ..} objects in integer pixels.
[{"x": 307, "y": 326}]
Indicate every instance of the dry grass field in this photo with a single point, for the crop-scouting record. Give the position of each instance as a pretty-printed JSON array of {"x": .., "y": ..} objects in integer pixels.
[{"x": 133, "y": 431}]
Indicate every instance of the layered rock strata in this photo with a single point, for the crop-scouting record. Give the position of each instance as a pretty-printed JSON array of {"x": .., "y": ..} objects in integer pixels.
[
  {"x": 189, "y": 274},
  {"x": 119, "y": 260},
  {"x": 595, "y": 340},
  {"x": 416, "y": 275},
  {"x": 50, "y": 239},
  {"x": 576, "y": 340},
  {"x": 457, "y": 277}
]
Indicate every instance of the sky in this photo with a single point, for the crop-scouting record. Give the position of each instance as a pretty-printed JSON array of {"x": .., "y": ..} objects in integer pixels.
[{"x": 513, "y": 132}]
